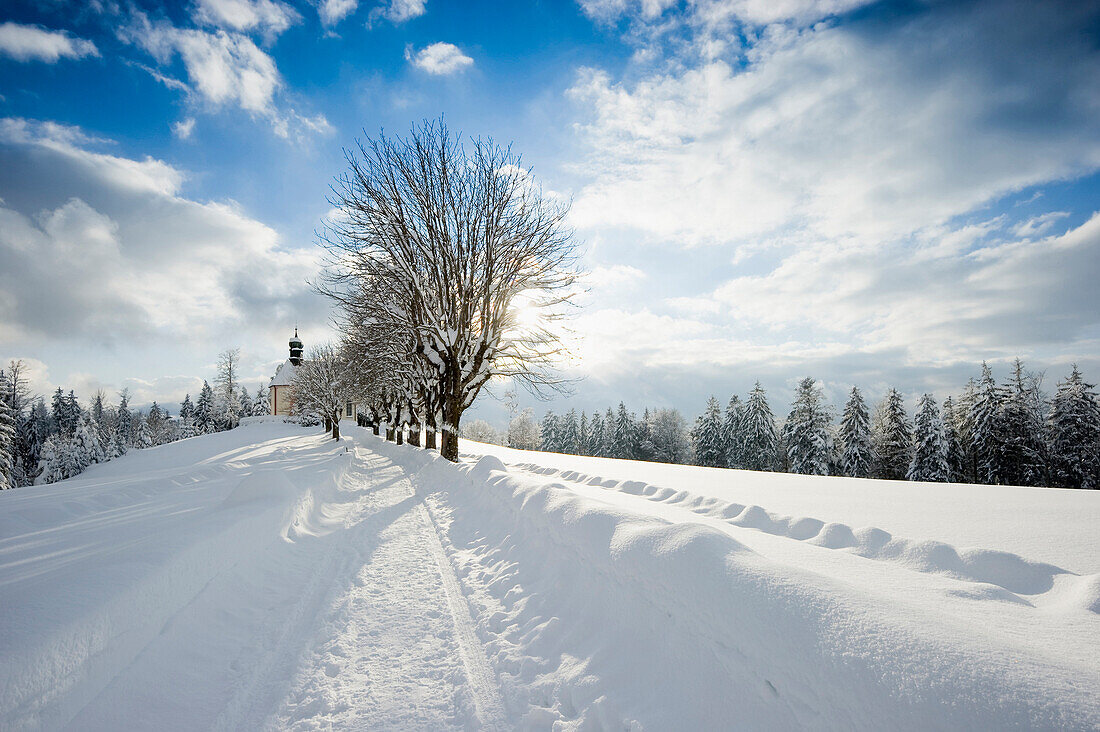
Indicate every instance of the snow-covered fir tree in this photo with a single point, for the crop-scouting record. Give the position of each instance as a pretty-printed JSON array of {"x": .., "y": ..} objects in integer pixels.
[
  {"x": 550, "y": 433},
  {"x": 203, "y": 418},
  {"x": 1022, "y": 446},
  {"x": 624, "y": 434},
  {"x": 568, "y": 429},
  {"x": 929, "y": 461},
  {"x": 596, "y": 435},
  {"x": 706, "y": 436},
  {"x": 187, "y": 409},
  {"x": 96, "y": 449},
  {"x": 759, "y": 437},
  {"x": 986, "y": 429},
  {"x": 125, "y": 426},
  {"x": 28, "y": 449},
  {"x": 582, "y": 435},
  {"x": 72, "y": 412},
  {"x": 57, "y": 411},
  {"x": 893, "y": 437},
  {"x": 260, "y": 405},
  {"x": 142, "y": 437},
  {"x": 84, "y": 448},
  {"x": 806, "y": 431},
  {"x": 187, "y": 417},
  {"x": 1074, "y": 429},
  {"x": 857, "y": 456},
  {"x": 55, "y": 459},
  {"x": 956, "y": 455},
  {"x": 732, "y": 440},
  {"x": 7, "y": 437},
  {"x": 643, "y": 438},
  {"x": 155, "y": 424},
  {"x": 98, "y": 406},
  {"x": 246, "y": 403},
  {"x": 607, "y": 447},
  {"x": 963, "y": 412},
  {"x": 115, "y": 446},
  {"x": 32, "y": 434}
]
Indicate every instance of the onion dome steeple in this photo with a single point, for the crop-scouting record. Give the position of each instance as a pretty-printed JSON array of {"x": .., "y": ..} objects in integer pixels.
[{"x": 296, "y": 349}]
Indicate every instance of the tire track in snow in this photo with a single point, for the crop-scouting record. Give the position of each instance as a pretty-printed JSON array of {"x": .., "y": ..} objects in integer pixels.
[
  {"x": 483, "y": 686},
  {"x": 395, "y": 643},
  {"x": 250, "y": 705}
]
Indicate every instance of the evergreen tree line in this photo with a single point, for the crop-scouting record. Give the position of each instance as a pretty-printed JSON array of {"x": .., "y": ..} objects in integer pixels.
[
  {"x": 659, "y": 435},
  {"x": 994, "y": 433},
  {"x": 42, "y": 443}
]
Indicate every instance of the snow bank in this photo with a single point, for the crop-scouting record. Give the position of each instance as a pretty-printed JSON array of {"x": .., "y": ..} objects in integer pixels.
[
  {"x": 93, "y": 568},
  {"x": 1046, "y": 525},
  {"x": 599, "y": 613},
  {"x": 188, "y": 586},
  {"x": 1005, "y": 569}
]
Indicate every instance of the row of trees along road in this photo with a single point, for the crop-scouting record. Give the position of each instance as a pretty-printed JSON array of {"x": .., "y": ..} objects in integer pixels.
[{"x": 449, "y": 266}]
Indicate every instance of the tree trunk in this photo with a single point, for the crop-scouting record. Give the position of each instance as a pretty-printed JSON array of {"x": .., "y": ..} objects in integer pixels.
[
  {"x": 389, "y": 432},
  {"x": 451, "y": 416},
  {"x": 401, "y": 434},
  {"x": 374, "y": 426},
  {"x": 335, "y": 429},
  {"x": 328, "y": 424},
  {"x": 414, "y": 435},
  {"x": 429, "y": 430}
]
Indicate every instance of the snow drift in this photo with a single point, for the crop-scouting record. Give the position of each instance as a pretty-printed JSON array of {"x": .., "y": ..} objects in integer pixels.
[{"x": 269, "y": 577}]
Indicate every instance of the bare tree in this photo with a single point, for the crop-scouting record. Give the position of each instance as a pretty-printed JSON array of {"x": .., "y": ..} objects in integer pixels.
[
  {"x": 523, "y": 431},
  {"x": 323, "y": 383},
  {"x": 479, "y": 430},
  {"x": 445, "y": 242},
  {"x": 18, "y": 391},
  {"x": 229, "y": 364}
]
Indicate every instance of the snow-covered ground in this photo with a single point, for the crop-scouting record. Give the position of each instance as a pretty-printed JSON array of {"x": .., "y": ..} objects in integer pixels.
[{"x": 270, "y": 577}]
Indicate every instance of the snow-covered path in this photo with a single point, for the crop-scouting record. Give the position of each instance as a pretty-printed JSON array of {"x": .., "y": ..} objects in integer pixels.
[
  {"x": 397, "y": 648},
  {"x": 344, "y": 613},
  {"x": 270, "y": 578}
]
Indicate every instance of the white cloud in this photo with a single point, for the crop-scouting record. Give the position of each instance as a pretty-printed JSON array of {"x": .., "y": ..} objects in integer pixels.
[
  {"x": 184, "y": 128},
  {"x": 1004, "y": 299},
  {"x": 120, "y": 262},
  {"x": 31, "y": 43},
  {"x": 146, "y": 176},
  {"x": 398, "y": 11},
  {"x": 616, "y": 276},
  {"x": 714, "y": 12},
  {"x": 333, "y": 11},
  {"x": 1039, "y": 225},
  {"x": 840, "y": 133},
  {"x": 439, "y": 58},
  {"x": 225, "y": 68},
  {"x": 269, "y": 17},
  {"x": 395, "y": 11},
  {"x": 851, "y": 178}
]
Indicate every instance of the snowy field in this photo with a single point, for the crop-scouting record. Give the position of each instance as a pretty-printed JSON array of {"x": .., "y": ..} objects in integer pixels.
[{"x": 267, "y": 577}]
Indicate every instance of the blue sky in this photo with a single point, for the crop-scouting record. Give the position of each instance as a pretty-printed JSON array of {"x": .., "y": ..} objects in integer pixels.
[{"x": 872, "y": 193}]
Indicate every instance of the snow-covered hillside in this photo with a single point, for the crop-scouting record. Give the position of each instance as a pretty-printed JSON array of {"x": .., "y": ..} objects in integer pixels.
[{"x": 269, "y": 577}]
